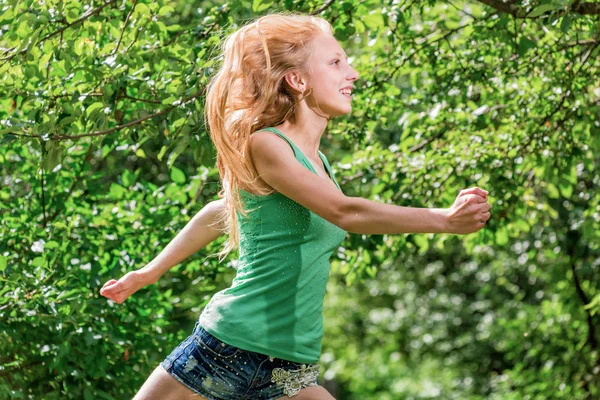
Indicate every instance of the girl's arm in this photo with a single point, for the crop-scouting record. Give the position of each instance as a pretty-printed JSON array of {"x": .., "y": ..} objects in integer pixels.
[
  {"x": 274, "y": 160},
  {"x": 198, "y": 233}
]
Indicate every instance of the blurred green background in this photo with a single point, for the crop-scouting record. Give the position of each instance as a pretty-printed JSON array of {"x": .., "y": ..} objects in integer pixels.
[{"x": 104, "y": 157}]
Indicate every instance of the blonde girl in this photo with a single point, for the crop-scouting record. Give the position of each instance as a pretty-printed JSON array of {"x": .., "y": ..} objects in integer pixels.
[{"x": 283, "y": 77}]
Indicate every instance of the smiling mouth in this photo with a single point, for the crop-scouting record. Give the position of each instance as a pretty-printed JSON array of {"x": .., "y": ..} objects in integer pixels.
[{"x": 346, "y": 92}]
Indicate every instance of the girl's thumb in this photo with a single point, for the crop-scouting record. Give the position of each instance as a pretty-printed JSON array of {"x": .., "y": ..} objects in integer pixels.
[
  {"x": 108, "y": 283},
  {"x": 108, "y": 286}
]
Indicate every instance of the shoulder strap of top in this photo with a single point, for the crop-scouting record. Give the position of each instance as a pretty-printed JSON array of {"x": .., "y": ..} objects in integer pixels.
[
  {"x": 281, "y": 135},
  {"x": 328, "y": 167},
  {"x": 302, "y": 158}
]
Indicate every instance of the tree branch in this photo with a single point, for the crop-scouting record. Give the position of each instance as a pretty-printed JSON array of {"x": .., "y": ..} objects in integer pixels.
[
  {"x": 73, "y": 184},
  {"x": 127, "y": 125},
  {"x": 124, "y": 27},
  {"x": 323, "y": 7},
  {"x": 501, "y": 6},
  {"x": 43, "y": 195},
  {"x": 427, "y": 141},
  {"x": 85, "y": 16},
  {"x": 544, "y": 121},
  {"x": 126, "y": 96},
  {"x": 578, "y": 7},
  {"x": 94, "y": 94},
  {"x": 586, "y": 8},
  {"x": 115, "y": 128},
  {"x": 574, "y": 237}
]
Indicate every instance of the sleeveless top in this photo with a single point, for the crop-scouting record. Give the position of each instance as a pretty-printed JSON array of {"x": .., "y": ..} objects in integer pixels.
[{"x": 275, "y": 303}]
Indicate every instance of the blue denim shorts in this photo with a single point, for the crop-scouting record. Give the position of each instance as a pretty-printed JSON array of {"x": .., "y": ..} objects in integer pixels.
[{"x": 218, "y": 371}]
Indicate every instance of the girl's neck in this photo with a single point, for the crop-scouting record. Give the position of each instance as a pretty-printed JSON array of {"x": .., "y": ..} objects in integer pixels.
[{"x": 305, "y": 129}]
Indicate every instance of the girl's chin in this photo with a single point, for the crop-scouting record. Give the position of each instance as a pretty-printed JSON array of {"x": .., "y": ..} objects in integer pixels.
[
  {"x": 335, "y": 110},
  {"x": 341, "y": 111}
]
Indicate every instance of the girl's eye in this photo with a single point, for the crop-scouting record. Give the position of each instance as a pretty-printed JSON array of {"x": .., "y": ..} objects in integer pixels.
[{"x": 336, "y": 62}]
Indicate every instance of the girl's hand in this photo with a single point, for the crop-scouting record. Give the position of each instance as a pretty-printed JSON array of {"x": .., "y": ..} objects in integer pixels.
[
  {"x": 470, "y": 211},
  {"x": 120, "y": 290}
]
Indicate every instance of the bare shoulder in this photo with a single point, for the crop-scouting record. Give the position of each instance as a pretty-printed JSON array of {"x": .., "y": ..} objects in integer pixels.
[
  {"x": 214, "y": 206},
  {"x": 270, "y": 147},
  {"x": 277, "y": 166},
  {"x": 217, "y": 206}
]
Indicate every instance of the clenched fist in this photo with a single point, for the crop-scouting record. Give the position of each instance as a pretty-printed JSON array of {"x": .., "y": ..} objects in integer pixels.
[{"x": 470, "y": 211}]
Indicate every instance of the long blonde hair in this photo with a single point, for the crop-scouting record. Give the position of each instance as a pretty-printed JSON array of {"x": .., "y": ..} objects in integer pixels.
[{"x": 249, "y": 93}]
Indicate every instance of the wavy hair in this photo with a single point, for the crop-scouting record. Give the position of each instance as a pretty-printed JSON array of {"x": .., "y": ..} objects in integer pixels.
[{"x": 249, "y": 93}]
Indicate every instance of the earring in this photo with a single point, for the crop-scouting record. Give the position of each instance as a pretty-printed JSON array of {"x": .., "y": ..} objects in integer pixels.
[
  {"x": 305, "y": 94},
  {"x": 320, "y": 113}
]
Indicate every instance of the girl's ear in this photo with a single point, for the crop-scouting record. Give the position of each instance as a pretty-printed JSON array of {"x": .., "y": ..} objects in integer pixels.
[{"x": 295, "y": 81}]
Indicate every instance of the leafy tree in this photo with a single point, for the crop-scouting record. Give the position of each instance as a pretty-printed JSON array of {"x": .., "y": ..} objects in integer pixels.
[{"x": 104, "y": 157}]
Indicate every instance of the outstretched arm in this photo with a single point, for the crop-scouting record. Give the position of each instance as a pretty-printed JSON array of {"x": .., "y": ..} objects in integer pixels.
[
  {"x": 198, "y": 233},
  {"x": 275, "y": 162}
]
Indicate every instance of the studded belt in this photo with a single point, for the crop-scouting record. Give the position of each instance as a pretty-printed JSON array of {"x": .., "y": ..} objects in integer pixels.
[{"x": 294, "y": 380}]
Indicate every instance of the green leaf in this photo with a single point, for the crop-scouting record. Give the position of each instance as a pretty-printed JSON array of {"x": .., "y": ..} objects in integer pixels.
[
  {"x": 543, "y": 9},
  {"x": 7, "y": 14},
  {"x": 422, "y": 243},
  {"x": 71, "y": 15},
  {"x": 87, "y": 394},
  {"x": 165, "y": 10},
  {"x": 93, "y": 107},
  {"x": 67, "y": 120},
  {"x": 525, "y": 44},
  {"x": 177, "y": 175},
  {"x": 179, "y": 122},
  {"x": 117, "y": 191},
  {"x": 128, "y": 178},
  {"x": 565, "y": 189},
  {"x": 53, "y": 155},
  {"x": 170, "y": 100},
  {"x": 571, "y": 176},
  {"x": 68, "y": 293},
  {"x": 552, "y": 191},
  {"x": 141, "y": 9},
  {"x": 106, "y": 150},
  {"x": 38, "y": 261},
  {"x": 259, "y": 5},
  {"x": 373, "y": 20},
  {"x": 593, "y": 305},
  {"x": 29, "y": 71},
  {"x": 182, "y": 146},
  {"x": 502, "y": 236},
  {"x": 3, "y": 263},
  {"x": 522, "y": 225},
  {"x": 366, "y": 257},
  {"x": 566, "y": 23},
  {"x": 162, "y": 152}
]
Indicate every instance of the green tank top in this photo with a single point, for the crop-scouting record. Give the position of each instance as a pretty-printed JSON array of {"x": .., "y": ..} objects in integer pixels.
[{"x": 275, "y": 303}]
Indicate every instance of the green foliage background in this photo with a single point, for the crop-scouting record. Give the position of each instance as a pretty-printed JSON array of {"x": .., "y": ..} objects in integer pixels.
[{"x": 104, "y": 157}]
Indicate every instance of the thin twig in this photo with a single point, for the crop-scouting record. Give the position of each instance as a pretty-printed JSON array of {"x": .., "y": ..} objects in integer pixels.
[
  {"x": 43, "y": 196},
  {"x": 61, "y": 30},
  {"x": 323, "y": 7},
  {"x": 73, "y": 184},
  {"x": 115, "y": 128},
  {"x": 578, "y": 7},
  {"x": 124, "y": 27}
]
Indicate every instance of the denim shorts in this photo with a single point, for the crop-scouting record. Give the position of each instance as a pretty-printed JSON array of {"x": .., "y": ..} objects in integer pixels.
[{"x": 218, "y": 371}]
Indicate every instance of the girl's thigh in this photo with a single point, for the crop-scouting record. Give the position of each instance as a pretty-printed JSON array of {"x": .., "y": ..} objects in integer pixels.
[
  {"x": 160, "y": 385},
  {"x": 311, "y": 393}
]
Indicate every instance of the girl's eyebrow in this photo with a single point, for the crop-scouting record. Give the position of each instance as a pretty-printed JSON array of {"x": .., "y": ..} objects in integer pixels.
[{"x": 341, "y": 55}]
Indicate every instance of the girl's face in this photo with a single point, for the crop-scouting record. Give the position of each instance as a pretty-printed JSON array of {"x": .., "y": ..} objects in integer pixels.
[{"x": 330, "y": 76}]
